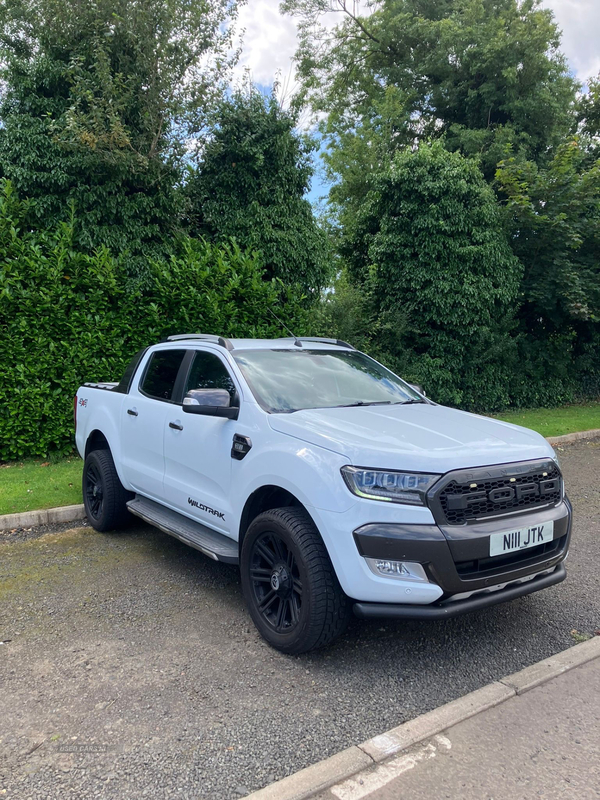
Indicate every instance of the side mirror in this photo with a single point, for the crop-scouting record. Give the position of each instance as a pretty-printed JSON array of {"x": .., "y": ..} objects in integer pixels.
[
  {"x": 210, "y": 403},
  {"x": 417, "y": 388}
]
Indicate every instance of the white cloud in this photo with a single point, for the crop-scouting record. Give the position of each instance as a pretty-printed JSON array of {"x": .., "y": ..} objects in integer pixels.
[
  {"x": 270, "y": 38},
  {"x": 579, "y": 21},
  {"x": 269, "y": 41}
]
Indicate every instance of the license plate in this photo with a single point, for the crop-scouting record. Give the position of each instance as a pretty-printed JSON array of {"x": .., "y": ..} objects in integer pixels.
[{"x": 521, "y": 538}]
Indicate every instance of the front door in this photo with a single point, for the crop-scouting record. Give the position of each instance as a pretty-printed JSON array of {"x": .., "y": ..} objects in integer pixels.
[{"x": 198, "y": 450}]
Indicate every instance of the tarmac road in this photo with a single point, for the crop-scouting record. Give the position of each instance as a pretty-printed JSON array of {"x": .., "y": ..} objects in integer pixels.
[{"x": 139, "y": 649}]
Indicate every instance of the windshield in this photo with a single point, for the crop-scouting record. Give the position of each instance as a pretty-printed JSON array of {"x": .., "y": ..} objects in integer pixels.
[{"x": 291, "y": 380}]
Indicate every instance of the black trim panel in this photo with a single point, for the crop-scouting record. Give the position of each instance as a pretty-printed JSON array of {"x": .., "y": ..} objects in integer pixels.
[
  {"x": 454, "y": 608},
  {"x": 441, "y": 550},
  {"x": 425, "y": 544},
  {"x": 124, "y": 384}
]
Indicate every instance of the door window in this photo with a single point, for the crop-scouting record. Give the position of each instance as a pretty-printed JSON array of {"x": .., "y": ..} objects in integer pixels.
[
  {"x": 209, "y": 372},
  {"x": 161, "y": 374}
]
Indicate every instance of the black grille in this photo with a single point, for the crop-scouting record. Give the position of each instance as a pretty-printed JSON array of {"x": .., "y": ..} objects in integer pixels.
[
  {"x": 481, "y": 567},
  {"x": 461, "y": 502}
]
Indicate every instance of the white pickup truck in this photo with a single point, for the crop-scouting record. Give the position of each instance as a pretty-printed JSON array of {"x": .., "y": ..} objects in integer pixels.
[{"x": 334, "y": 484}]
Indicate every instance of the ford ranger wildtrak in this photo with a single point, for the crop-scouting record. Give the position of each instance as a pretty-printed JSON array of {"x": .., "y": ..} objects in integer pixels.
[{"x": 331, "y": 482}]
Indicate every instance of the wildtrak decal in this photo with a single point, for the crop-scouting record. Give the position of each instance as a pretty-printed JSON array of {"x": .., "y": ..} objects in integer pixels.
[{"x": 202, "y": 507}]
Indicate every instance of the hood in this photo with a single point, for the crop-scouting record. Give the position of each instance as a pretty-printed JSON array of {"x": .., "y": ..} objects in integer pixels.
[{"x": 420, "y": 437}]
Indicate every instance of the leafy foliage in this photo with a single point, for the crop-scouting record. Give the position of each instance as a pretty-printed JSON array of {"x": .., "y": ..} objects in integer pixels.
[
  {"x": 483, "y": 74},
  {"x": 589, "y": 114},
  {"x": 254, "y": 172},
  {"x": 487, "y": 299},
  {"x": 430, "y": 252},
  {"x": 553, "y": 216},
  {"x": 67, "y": 316},
  {"x": 484, "y": 78},
  {"x": 97, "y": 97}
]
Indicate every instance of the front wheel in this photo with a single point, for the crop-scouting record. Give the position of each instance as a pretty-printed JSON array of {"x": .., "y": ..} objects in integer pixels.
[
  {"x": 289, "y": 583},
  {"x": 104, "y": 497}
]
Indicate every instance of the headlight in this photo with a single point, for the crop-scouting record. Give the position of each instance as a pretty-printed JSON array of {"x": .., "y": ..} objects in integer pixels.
[{"x": 394, "y": 487}]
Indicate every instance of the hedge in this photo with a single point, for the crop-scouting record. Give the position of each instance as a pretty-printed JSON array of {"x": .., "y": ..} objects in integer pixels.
[{"x": 67, "y": 317}]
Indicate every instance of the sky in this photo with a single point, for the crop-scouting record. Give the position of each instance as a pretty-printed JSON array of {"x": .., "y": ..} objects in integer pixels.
[
  {"x": 270, "y": 41},
  {"x": 270, "y": 38}
]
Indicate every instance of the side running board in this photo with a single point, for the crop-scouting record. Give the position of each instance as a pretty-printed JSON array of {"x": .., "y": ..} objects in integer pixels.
[{"x": 213, "y": 544}]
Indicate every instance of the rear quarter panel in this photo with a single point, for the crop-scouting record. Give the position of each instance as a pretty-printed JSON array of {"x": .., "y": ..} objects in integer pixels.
[{"x": 100, "y": 410}]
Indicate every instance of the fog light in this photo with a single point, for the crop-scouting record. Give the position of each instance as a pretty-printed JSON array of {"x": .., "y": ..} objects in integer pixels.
[{"x": 406, "y": 570}]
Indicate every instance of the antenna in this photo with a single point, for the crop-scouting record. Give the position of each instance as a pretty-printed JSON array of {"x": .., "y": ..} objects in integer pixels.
[{"x": 297, "y": 341}]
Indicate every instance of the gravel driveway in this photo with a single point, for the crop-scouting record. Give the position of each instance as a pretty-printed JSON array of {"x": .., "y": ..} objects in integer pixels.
[{"x": 130, "y": 668}]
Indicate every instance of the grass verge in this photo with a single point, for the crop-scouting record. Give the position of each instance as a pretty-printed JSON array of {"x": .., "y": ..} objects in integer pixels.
[
  {"x": 38, "y": 483},
  {"x": 556, "y": 421}
]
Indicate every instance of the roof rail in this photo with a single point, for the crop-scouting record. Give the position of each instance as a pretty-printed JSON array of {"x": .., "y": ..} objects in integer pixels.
[
  {"x": 207, "y": 337},
  {"x": 337, "y": 342}
]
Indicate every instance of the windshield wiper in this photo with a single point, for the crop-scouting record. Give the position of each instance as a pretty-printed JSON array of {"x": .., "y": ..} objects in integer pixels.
[
  {"x": 364, "y": 403},
  {"x": 410, "y": 402}
]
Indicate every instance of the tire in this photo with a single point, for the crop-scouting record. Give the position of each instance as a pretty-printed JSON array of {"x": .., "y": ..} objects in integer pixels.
[
  {"x": 303, "y": 607},
  {"x": 104, "y": 497}
]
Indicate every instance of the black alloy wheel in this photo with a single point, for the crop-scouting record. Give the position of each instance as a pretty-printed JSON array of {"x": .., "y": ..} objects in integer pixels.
[
  {"x": 94, "y": 492},
  {"x": 291, "y": 589},
  {"x": 276, "y": 582},
  {"x": 104, "y": 498}
]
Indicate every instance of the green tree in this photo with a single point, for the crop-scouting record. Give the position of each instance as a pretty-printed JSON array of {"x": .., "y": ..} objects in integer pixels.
[
  {"x": 250, "y": 184},
  {"x": 589, "y": 116},
  {"x": 482, "y": 74},
  {"x": 97, "y": 98},
  {"x": 553, "y": 216},
  {"x": 352, "y": 312},
  {"x": 486, "y": 79},
  {"x": 429, "y": 249}
]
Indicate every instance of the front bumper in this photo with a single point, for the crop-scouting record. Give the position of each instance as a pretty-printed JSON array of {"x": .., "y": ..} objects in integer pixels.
[
  {"x": 456, "y": 559},
  {"x": 454, "y": 608}
]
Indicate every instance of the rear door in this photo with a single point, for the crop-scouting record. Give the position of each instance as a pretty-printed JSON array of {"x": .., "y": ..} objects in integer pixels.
[
  {"x": 144, "y": 413},
  {"x": 198, "y": 459}
]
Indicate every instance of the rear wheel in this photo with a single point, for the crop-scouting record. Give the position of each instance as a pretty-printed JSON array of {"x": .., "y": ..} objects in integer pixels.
[
  {"x": 289, "y": 583},
  {"x": 104, "y": 497}
]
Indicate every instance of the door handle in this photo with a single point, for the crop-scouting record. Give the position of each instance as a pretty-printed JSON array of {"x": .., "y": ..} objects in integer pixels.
[
  {"x": 132, "y": 412},
  {"x": 177, "y": 426}
]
